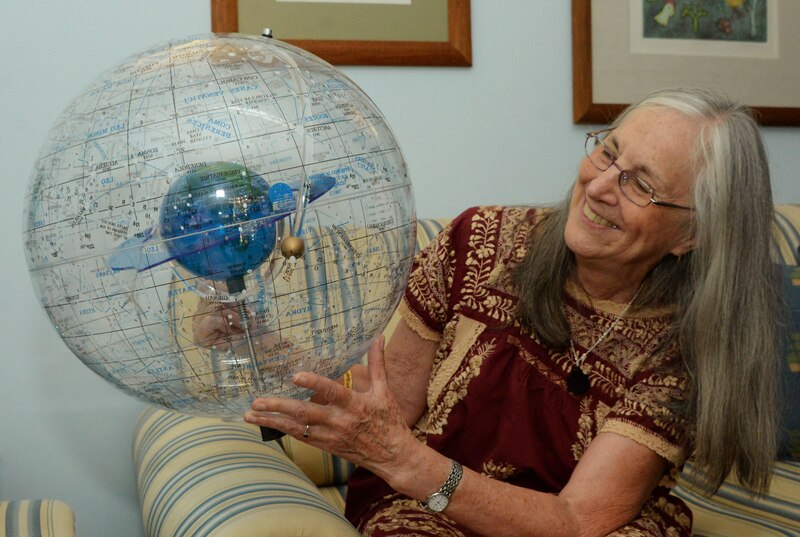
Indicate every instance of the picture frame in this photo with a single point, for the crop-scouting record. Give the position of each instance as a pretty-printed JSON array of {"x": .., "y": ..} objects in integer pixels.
[
  {"x": 608, "y": 73},
  {"x": 395, "y": 40}
]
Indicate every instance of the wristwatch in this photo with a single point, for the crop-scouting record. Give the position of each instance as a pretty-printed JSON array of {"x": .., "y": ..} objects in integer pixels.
[{"x": 438, "y": 501}]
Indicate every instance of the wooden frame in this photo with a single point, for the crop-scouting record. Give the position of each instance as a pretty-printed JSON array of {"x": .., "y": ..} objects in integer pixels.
[
  {"x": 457, "y": 51},
  {"x": 585, "y": 110}
]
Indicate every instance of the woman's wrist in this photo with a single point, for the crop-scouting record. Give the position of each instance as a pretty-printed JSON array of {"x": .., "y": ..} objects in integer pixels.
[{"x": 420, "y": 471}]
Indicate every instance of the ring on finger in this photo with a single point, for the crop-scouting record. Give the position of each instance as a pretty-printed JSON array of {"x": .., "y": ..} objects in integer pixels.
[{"x": 307, "y": 432}]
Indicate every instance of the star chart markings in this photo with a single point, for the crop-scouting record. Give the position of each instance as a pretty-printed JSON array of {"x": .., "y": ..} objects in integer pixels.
[
  {"x": 325, "y": 145},
  {"x": 162, "y": 175}
]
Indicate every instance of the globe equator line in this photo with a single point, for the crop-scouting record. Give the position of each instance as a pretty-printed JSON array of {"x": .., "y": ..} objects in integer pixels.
[
  {"x": 46, "y": 266},
  {"x": 59, "y": 305},
  {"x": 160, "y": 322}
]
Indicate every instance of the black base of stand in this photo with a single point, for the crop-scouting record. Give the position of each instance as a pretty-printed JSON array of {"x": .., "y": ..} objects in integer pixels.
[{"x": 268, "y": 434}]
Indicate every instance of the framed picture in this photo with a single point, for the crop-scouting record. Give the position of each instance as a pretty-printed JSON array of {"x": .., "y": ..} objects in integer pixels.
[
  {"x": 358, "y": 32},
  {"x": 624, "y": 49}
]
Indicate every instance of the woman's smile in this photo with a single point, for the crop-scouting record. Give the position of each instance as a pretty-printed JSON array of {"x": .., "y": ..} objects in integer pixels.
[{"x": 596, "y": 218}]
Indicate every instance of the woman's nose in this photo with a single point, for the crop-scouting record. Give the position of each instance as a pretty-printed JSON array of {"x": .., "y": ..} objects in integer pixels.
[{"x": 604, "y": 186}]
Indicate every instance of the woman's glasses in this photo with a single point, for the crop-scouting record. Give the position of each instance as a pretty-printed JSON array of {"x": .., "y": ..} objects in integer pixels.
[{"x": 633, "y": 187}]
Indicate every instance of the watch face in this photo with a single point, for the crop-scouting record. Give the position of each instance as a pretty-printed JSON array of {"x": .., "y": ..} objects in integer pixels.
[{"x": 437, "y": 502}]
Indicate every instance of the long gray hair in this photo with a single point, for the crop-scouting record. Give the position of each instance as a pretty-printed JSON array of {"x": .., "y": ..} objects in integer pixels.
[{"x": 728, "y": 300}]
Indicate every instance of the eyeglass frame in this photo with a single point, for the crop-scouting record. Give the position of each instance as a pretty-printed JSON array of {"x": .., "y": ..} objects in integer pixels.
[{"x": 625, "y": 175}]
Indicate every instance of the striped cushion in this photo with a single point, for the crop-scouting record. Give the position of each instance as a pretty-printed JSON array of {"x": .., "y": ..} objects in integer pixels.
[
  {"x": 335, "y": 496},
  {"x": 787, "y": 234},
  {"x": 733, "y": 512},
  {"x": 787, "y": 245},
  {"x": 322, "y": 468},
  {"x": 427, "y": 229},
  {"x": 790, "y": 441},
  {"x": 203, "y": 477},
  {"x": 36, "y": 518}
]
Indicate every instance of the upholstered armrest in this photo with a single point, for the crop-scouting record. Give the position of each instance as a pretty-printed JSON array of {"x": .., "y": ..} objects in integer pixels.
[
  {"x": 328, "y": 472},
  {"x": 203, "y": 476},
  {"x": 734, "y": 512},
  {"x": 36, "y": 518}
]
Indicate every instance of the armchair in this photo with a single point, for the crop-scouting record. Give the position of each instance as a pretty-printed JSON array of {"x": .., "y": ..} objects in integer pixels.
[{"x": 36, "y": 518}]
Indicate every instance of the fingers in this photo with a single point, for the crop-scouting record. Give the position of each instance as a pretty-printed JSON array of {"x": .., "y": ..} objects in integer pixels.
[
  {"x": 304, "y": 412},
  {"x": 326, "y": 391},
  {"x": 215, "y": 324},
  {"x": 332, "y": 410},
  {"x": 283, "y": 423},
  {"x": 293, "y": 417},
  {"x": 287, "y": 415},
  {"x": 274, "y": 407},
  {"x": 376, "y": 366}
]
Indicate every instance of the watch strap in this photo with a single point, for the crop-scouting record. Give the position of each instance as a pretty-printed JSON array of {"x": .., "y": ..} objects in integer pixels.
[{"x": 449, "y": 486}]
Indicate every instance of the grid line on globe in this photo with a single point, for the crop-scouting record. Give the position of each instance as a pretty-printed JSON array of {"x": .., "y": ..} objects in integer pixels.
[{"x": 159, "y": 207}]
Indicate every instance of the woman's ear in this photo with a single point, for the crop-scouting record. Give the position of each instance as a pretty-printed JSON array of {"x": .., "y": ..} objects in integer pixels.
[{"x": 683, "y": 247}]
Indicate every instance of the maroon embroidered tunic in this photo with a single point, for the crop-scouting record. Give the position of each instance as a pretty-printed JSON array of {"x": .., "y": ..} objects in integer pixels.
[{"x": 497, "y": 400}]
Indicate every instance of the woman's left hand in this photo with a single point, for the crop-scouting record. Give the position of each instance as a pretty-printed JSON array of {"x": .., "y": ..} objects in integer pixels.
[{"x": 366, "y": 428}]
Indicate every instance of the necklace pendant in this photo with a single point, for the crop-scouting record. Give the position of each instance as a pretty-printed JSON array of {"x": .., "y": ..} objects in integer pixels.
[{"x": 577, "y": 381}]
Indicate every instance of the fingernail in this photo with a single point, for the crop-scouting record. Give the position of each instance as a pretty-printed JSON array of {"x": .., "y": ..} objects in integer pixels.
[
  {"x": 250, "y": 418},
  {"x": 299, "y": 379}
]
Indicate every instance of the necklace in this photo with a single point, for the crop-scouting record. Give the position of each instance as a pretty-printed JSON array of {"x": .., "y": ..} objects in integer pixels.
[{"x": 578, "y": 380}]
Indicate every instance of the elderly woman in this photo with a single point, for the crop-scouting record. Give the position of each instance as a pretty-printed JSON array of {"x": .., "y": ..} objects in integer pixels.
[{"x": 555, "y": 368}]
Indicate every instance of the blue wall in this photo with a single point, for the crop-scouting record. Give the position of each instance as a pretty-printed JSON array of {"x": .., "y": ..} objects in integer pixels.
[{"x": 499, "y": 132}]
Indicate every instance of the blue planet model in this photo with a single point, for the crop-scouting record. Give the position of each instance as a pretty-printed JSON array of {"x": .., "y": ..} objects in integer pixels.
[
  {"x": 224, "y": 205},
  {"x": 217, "y": 221}
]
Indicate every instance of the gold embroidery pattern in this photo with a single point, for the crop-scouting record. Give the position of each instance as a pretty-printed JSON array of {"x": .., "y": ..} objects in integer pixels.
[
  {"x": 600, "y": 414},
  {"x": 562, "y": 360},
  {"x": 652, "y": 520},
  {"x": 480, "y": 257},
  {"x": 646, "y": 437},
  {"x": 649, "y": 397},
  {"x": 415, "y": 322},
  {"x": 499, "y": 470},
  {"x": 462, "y": 333},
  {"x": 514, "y": 231},
  {"x": 585, "y": 429},
  {"x": 432, "y": 279},
  {"x": 606, "y": 378},
  {"x": 497, "y": 238},
  {"x": 616, "y": 368},
  {"x": 457, "y": 388},
  {"x": 404, "y": 516}
]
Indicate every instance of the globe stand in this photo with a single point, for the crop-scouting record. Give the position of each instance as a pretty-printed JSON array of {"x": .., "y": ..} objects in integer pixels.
[{"x": 236, "y": 285}]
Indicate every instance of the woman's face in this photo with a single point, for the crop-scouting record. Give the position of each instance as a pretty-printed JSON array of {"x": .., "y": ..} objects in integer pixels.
[{"x": 608, "y": 232}]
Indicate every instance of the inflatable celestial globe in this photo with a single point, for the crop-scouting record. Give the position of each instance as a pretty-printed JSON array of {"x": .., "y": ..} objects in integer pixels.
[{"x": 215, "y": 214}]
